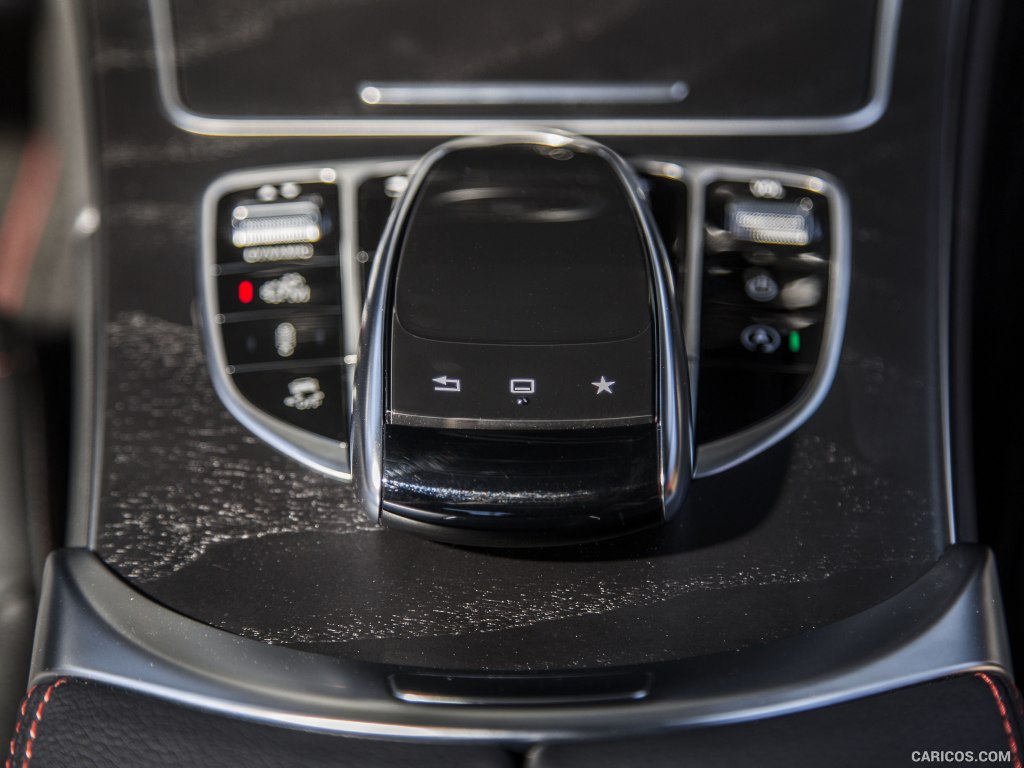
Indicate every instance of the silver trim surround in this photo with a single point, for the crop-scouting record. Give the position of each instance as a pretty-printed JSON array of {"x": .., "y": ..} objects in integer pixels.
[
  {"x": 678, "y": 170},
  {"x": 675, "y": 432},
  {"x": 515, "y": 93},
  {"x": 882, "y": 67},
  {"x": 93, "y": 626},
  {"x": 64, "y": 31},
  {"x": 320, "y": 453},
  {"x": 728, "y": 451}
]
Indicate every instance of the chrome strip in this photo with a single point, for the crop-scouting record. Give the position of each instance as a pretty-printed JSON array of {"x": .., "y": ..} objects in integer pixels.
[
  {"x": 440, "y": 422},
  {"x": 64, "y": 33},
  {"x": 351, "y": 280},
  {"x": 93, "y": 626},
  {"x": 678, "y": 170},
  {"x": 674, "y": 415},
  {"x": 350, "y": 176},
  {"x": 496, "y": 93},
  {"x": 170, "y": 94}
]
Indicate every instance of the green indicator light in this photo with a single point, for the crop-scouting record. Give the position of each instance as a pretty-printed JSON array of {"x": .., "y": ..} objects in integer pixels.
[{"x": 794, "y": 341}]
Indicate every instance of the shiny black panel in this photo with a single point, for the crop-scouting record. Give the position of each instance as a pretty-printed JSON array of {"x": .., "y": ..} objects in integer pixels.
[
  {"x": 522, "y": 245},
  {"x": 765, "y": 290},
  {"x": 537, "y": 487},
  {"x": 739, "y": 57},
  {"x": 522, "y": 295},
  {"x": 522, "y": 360},
  {"x": 586, "y": 384}
]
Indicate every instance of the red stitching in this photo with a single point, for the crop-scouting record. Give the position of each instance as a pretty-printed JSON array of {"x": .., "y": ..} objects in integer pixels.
[
  {"x": 18, "y": 726},
  {"x": 1007, "y": 726},
  {"x": 24, "y": 702},
  {"x": 33, "y": 730}
]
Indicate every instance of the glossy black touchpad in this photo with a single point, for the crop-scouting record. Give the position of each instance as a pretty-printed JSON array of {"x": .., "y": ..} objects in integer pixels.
[
  {"x": 522, "y": 295},
  {"x": 522, "y": 245},
  {"x": 521, "y": 380}
]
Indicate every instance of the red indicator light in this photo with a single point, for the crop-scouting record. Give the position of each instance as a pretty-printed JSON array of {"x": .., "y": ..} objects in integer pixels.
[{"x": 245, "y": 291}]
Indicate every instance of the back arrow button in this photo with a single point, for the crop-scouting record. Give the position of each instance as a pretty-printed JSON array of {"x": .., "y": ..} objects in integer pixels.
[{"x": 444, "y": 384}]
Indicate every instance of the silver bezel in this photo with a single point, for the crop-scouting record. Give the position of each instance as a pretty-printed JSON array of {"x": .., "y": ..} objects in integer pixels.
[
  {"x": 870, "y": 112},
  {"x": 675, "y": 434},
  {"x": 327, "y": 456},
  {"x": 728, "y": 451}
]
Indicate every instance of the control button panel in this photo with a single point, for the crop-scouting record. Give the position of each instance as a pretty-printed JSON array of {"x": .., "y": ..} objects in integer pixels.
[
  {"x": 474, "y": 386},
  {"x": 275, "y": 297},
  {"x": 766, "y": 271},
  {"x": 757, "y": 274}
]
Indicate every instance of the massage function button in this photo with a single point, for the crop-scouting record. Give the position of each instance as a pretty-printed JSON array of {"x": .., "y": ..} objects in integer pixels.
[
  {"x": 310, "y": 398},
  {"x": 269, "y": 290},
  {"x": 289, "y": 338}
]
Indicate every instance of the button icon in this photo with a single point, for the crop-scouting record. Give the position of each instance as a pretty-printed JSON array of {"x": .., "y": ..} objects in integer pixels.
[
  {"x": 290, "y": 288},
  {"x": 444, "y": 384},
  {"x": 285, "y": 339},
  {"x": 522, "y": 386},
  {"x": 761, "y": 287},
  {"x": 767, "y": 189},
  {"x": 305, "y": 394},
  {"x": 760, "y": 338},
  {"x": 603, "y": 386}
]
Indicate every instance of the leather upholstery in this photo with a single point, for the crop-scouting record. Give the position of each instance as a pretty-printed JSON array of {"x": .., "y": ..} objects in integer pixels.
[
  {"x": 86, "y": 725},
  {"x": 951, "y": 717},
  {"x": 75, "y": 723}
]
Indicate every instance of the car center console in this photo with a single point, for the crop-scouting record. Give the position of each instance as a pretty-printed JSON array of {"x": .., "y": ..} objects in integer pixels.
[
  {"x": 504, "y": 386},
  {"x": 281, "y": 315}
]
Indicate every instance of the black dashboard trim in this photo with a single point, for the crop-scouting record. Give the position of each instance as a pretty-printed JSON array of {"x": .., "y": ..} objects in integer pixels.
[
  {"x": 213, "y": 125},
  {"x": 92, "y": 625}
]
